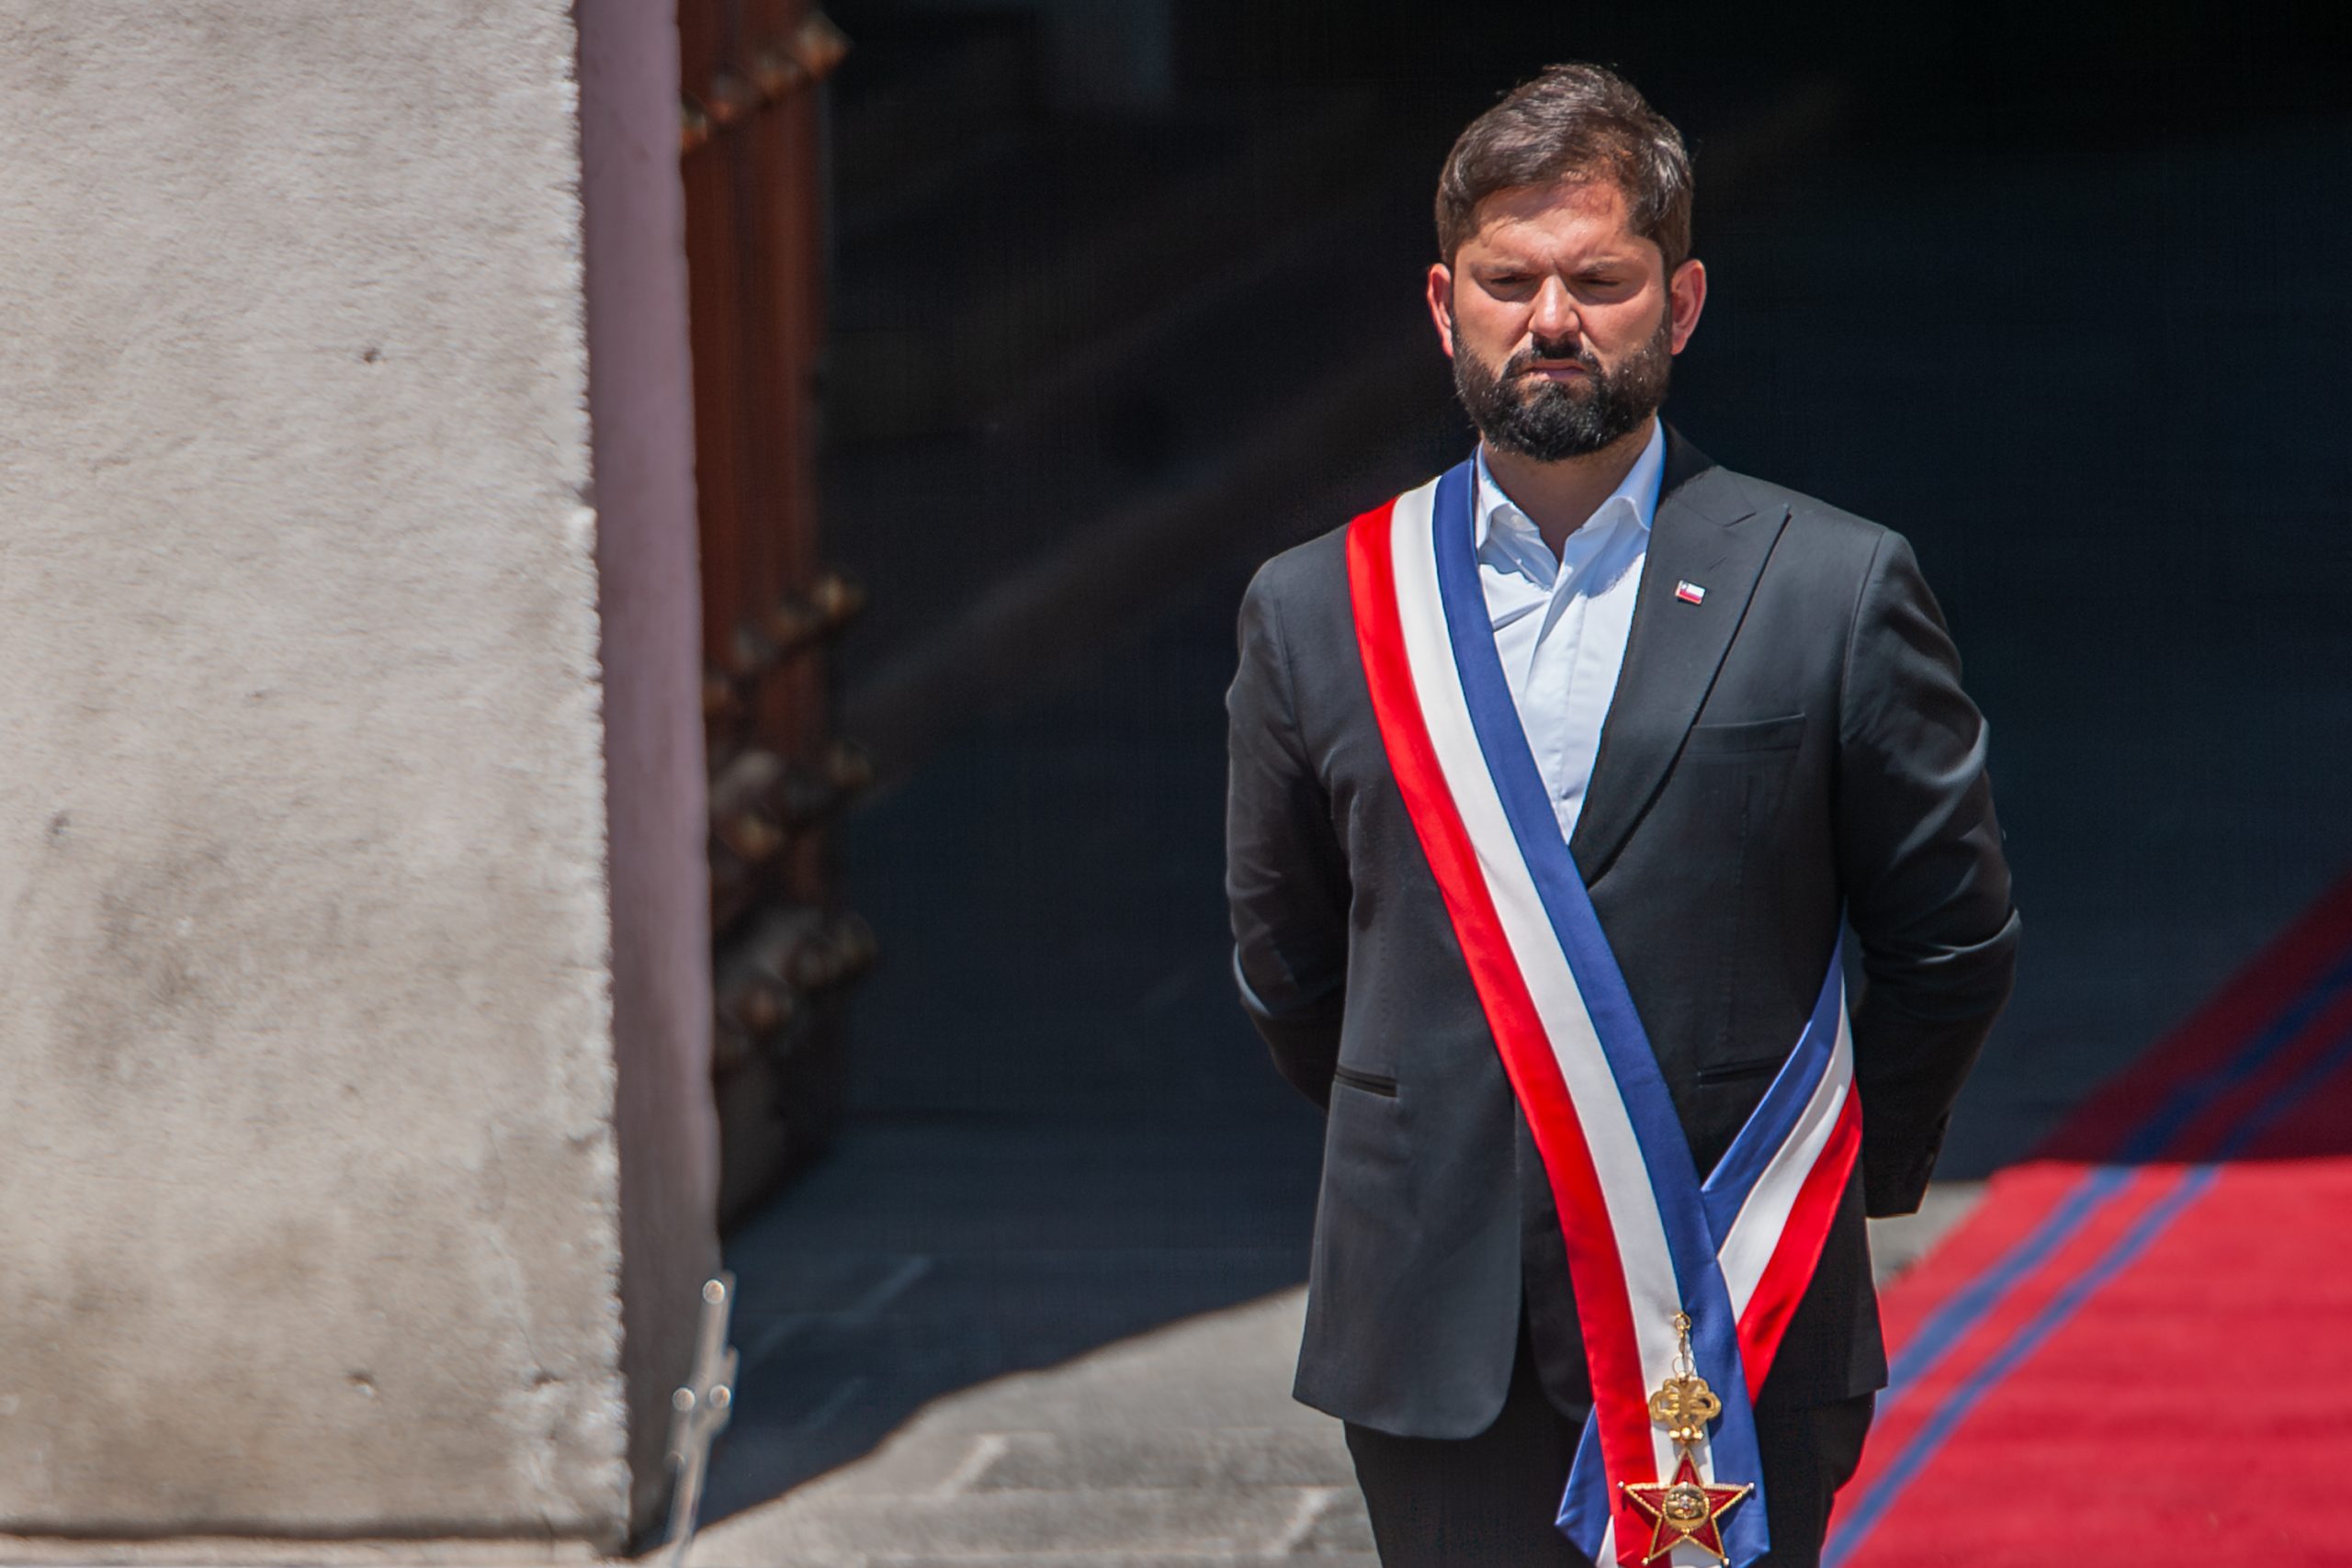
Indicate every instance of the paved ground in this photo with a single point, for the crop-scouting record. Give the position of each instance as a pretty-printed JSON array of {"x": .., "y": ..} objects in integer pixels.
[
  {"x": 1174, "y": 1449},
  {"x": 1040, "y": 1305},
  {"x": 1056, "y": 1467}
]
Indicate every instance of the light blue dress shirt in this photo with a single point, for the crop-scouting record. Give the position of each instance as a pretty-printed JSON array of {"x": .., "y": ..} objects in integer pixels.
[{"x": 1560, "y": 621}]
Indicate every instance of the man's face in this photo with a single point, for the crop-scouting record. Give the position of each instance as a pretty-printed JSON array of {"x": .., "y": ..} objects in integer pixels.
[{"x": 1561, "y": 320}]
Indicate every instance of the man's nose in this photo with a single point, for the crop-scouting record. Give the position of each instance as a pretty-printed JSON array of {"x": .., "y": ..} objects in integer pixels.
[{"x": 1555, "y": 313}]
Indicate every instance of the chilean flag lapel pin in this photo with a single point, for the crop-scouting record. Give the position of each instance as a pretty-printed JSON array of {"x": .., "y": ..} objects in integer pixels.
[{"x": 1690, "y": 593}]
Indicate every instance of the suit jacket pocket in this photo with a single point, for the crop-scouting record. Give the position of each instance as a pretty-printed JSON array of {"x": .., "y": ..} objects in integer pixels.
[
  {"x": 1749, "y": 735},
  {"x": 1739, "y": 1072},
  {"x": 1365, "y": 1142},
  {"x": 1371, "y": 1083}
]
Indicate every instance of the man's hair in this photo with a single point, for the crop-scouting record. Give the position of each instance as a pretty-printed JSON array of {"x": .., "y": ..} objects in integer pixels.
[{"x": 1572, "y": 123}]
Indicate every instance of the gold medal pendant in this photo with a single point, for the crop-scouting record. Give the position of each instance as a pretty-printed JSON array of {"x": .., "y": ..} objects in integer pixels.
[{"x": 1685, "y": 1508}]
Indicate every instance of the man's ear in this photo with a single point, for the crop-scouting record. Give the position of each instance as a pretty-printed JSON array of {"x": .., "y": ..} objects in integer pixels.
[
  {"x": 1686, "y": 296},
  {"x": 1441, "y": 294}
]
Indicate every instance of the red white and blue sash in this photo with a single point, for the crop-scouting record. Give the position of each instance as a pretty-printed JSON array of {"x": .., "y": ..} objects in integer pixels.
[{"x": 1646, "y": 1236}]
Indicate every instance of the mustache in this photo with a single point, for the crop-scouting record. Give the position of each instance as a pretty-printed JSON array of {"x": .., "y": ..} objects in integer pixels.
[{"x": 1554, "y": 351}]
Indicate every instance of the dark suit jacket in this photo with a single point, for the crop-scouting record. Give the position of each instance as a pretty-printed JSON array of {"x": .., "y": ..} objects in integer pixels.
[{"x": 1796, "y": 743}]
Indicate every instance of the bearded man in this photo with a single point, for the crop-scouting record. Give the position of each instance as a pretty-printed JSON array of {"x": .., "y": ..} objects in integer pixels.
[{"x": 1555, "y": 784}]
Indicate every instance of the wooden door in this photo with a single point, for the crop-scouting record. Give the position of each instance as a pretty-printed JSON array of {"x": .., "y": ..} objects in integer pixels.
[{"x": 751, "y": 147}]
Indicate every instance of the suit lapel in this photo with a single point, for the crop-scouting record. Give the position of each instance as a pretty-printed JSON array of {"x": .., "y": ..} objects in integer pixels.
[{"x": 1707, "y": 534}]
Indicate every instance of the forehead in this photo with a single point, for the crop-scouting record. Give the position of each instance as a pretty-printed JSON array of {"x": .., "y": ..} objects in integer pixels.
[{"x": 1578, "y": 218}]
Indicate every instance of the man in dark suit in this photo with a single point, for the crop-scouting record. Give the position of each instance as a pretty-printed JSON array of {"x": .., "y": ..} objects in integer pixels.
[{"x": 1748, "y": 714}]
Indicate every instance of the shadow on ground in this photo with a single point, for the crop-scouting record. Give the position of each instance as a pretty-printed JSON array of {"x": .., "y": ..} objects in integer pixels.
[{"x": 1063, "y": 1132}]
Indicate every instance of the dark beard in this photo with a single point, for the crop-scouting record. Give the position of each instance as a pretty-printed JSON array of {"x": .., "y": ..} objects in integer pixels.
[{"x": 1553, "y": 421}]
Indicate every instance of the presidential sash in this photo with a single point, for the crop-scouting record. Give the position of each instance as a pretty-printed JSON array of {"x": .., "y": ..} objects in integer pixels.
[{"x": 1683, "y": 1287}]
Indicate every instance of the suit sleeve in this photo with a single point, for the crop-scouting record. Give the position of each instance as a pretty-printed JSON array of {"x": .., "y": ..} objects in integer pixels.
[
  {"x": 1286, "y": 881},
  {"x": 1926, "y": 886}
]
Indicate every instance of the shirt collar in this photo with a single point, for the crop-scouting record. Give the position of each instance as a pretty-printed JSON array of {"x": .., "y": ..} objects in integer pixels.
[{"x": 1638, "y": 491}]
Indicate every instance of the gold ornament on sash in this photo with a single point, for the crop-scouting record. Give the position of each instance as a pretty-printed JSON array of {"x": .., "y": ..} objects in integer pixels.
[{"x": 1685, "y": 1508}]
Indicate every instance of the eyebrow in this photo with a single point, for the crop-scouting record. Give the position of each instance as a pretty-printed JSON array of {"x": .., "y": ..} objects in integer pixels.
[{"x": 1524, "y": 264}]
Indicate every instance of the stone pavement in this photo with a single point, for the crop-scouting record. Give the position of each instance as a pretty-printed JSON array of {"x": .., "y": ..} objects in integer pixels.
[{"x": 1178, "y": 1449}]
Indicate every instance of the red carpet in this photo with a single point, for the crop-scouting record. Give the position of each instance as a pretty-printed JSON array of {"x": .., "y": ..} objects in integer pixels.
[{"x": 2139, "y": 1349}]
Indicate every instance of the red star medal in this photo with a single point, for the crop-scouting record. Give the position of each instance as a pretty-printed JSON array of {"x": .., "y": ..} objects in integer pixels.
[{"x": 1685, "y": 1508}]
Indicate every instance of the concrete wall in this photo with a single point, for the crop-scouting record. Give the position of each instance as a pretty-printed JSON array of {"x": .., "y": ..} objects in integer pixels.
[
  {"x": 642, "y": 397},
  {"x": 312, "y": 1220}
]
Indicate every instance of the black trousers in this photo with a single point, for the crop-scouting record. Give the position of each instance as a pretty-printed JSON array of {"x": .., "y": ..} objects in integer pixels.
[{"x": 1488, "y": 1501}]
